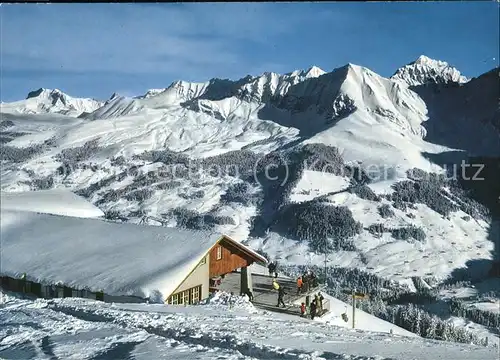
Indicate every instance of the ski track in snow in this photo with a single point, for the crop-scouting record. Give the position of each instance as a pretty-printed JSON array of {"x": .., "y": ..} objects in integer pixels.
[{"x": 85, "y": 329}]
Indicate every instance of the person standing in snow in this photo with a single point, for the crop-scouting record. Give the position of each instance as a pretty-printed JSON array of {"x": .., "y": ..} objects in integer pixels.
[
  {"x": 314, "y": 280},
  {"x": 320, "y": 302},
  {"x": 303, "y": 310},
  {"x": 299, "y": 285},
  {"x": 281, "y": 294},
  {"x": 249, "y": 294},
  {"x": 276, "y": 286},
  {"x": 305, "y": 283},
  {"x": 23, "y": 284},
  {"x": 272, "y": 268},
  {"x": 313, "y": 309},
  {"x": 276, "y": 269}
]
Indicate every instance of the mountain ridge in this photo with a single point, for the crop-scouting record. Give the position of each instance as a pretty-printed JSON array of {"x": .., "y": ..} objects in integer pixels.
[{"x": 250, "y": 87}]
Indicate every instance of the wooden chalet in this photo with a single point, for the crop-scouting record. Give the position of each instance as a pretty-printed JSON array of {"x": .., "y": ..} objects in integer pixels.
[{"x": 224, "y": 257}]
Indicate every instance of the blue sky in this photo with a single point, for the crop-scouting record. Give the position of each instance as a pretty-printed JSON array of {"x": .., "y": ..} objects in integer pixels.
[{"x": 93, "y": 50}]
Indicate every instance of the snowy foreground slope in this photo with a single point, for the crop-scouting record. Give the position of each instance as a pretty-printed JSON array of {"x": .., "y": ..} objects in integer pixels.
[{"x": 81, "y": 329}]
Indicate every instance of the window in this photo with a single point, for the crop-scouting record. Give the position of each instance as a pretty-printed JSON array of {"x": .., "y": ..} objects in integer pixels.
[
  {"x": 184, "y": 297},
  {"x": 174, "y": 299},
  {"x": 189, "y": 296},
  {"x": 195, "y": 295},
  {"x": 219, "y": 252}
]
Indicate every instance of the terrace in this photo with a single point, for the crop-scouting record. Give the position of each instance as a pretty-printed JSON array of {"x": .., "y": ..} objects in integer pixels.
[{"x": 266, "y": 297}]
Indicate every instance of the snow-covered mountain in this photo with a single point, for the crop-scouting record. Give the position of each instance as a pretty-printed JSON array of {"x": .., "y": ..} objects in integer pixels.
[
  {"x": 216, "y": 97},
  {"x": 51, "y": 101},
  {"x": 428, "y": 71},
  {"x": 344, "y": 143}
]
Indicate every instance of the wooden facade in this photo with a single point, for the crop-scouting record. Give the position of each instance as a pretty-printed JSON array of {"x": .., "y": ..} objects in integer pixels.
[
  {"x": 225, "y": 258},
  {"x": 38, "y": 290}
]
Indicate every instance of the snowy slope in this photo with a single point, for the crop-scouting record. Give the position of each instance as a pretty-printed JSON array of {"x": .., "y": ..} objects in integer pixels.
[
  {"x": 55, "y": 202},
  {"x": 82, "y": 329},
  {"x": 374, "y": 122},
  {"x": 425, "y": 70},
  {"x": 450, "y": 244},
  {"x": 51, "y": 101},
  {"x": 124, "y": 259}
]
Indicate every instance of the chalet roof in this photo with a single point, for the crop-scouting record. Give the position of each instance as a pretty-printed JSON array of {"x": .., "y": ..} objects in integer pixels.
[
  {"x": 248, "y": 252},
  {"x": 120, "y": 259}
]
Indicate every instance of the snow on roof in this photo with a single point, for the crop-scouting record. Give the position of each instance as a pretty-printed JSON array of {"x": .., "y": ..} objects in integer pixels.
[
  {"x": 54, "y": 201},
  {"x": 119, "y": 259}
]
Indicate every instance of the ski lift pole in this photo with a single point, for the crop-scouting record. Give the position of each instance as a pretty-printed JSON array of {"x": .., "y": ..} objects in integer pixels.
[
  {"x": 326, "y": 275},
  {"x": 353, "y": 307}
]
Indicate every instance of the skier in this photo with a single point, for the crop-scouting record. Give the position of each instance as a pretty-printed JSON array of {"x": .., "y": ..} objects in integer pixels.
[
  {"x": 313, "y": 309},
  {"x": 281, "y": 294}
]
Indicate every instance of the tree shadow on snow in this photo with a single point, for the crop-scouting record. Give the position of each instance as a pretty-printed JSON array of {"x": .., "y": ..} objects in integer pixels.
[
  {"x": 25, "y": 350},
  {"x": 118, "y": 351},
  {"x": 48, "y": 348}
]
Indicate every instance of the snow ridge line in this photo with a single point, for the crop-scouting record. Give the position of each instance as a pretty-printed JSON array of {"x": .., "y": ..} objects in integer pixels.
[{"x": 188, "y": 336}]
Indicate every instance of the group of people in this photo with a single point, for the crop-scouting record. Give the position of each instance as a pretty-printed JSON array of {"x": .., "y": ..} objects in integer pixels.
[
  {"x": 315, "y": 307},
  {"x": 306, "y": 282}
]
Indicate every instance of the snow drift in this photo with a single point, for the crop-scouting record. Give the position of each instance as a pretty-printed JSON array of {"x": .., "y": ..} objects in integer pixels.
[{"x": 54, "y": 201}]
